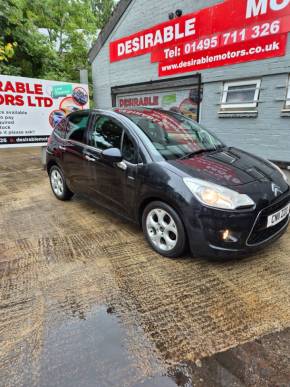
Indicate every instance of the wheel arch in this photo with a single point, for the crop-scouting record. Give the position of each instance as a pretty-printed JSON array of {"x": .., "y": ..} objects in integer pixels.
[
  {"x": 50, "y": 164},
  {"x": 144, "y": 203}
]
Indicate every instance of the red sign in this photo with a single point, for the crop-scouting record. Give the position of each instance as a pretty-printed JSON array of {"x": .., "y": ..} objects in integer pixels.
[
  {"x": 227, "y": 16},
  {"x": 218, "y": 40},
  {"x": 264, "y": 48},
  {"x": 139, "y": 101}
]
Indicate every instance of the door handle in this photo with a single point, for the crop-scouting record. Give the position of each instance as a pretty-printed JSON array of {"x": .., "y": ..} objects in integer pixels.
[
  {"x": 122, "y": 165},
  {"x": 89, "y": 158},
  {"x": 63, "y": 148}
]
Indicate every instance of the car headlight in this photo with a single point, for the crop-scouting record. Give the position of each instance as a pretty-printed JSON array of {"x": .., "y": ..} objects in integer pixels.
[
  {"x": 217, "y": 196},
  {"x": 280, "y": 170}
]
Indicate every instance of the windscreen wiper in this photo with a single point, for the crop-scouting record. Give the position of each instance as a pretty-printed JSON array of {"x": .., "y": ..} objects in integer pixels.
[{"x": 198, "y": 152}]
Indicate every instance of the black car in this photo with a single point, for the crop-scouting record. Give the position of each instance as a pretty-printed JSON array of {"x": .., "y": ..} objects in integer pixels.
[{"x": 173, "y": 177}]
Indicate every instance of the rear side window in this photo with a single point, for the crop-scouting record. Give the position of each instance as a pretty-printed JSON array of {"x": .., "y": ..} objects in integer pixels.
[
  {"x": 77, "y": 125},
  {"x": 106, "y": 133},
  {"x": 61, "y": 128}
]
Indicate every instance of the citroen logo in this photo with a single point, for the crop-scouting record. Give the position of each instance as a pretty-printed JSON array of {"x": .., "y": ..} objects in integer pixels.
[{"x": 276, "y": 189}]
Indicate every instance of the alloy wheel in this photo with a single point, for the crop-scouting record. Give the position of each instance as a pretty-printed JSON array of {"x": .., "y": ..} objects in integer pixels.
[
  {"x": 161, "y": 229},
  {"x": 57, "y": 182}
]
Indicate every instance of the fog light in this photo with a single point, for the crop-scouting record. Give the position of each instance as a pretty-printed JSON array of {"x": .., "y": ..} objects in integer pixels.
[{"x": 227, "y": 236}]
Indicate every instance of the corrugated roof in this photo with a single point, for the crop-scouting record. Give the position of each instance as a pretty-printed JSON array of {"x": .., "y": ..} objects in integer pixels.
[{"x": 108, "y": 29}]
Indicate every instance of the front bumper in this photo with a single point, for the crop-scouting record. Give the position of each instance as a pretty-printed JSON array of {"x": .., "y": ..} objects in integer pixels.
[{"x": 249, "y": 229}]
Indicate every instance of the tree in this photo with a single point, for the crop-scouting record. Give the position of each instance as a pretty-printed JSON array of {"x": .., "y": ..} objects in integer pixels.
[
  {"x": 52, "y": 36},
  {"x": 32, "y": 53},
  {"x": 102, "y": 9}
]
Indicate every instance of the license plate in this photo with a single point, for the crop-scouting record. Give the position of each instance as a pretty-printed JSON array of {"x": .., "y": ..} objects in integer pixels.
[{"x": 278, "y": 216}]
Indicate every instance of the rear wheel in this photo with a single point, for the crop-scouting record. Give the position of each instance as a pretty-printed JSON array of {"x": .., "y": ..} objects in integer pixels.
[
  {"x": 58, "y": 184},
  {"x": 164, "y": 229}
]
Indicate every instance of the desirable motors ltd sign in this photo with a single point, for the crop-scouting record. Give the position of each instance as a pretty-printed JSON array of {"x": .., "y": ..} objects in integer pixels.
[
  {"x": 232, "y": 32},
  {"x": 30, "y": 108}
]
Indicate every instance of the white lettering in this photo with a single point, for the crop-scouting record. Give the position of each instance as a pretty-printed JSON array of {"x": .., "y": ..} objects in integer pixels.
[
  {"x": 178, "y": 34},
  {"x": 254, "y": 8},
  {"x": 190, "y": 27},
  {"x": 158, "y": 38},
  {"x": 275, "y": 6},
  {"x": 168, "y": 34},
  {"x": 128, "y": 45},
  {"x": 260, "y": 7},
  {"x": 169, "y": 53},
  {"x": 149, "y": 40},
  {"x": 135, "y": 44},
  {"x": 121, "y": 49}
]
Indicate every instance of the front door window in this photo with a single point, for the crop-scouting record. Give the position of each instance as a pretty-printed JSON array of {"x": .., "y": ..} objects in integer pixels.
[{"x": 106, "y": 134}]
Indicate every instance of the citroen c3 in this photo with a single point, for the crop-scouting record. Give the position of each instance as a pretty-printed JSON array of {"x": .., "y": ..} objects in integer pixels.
[{"x": 174, "y": 178}]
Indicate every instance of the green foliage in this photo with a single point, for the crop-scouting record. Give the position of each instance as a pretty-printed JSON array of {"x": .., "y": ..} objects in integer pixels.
[
  {"x": 49, "y": 39},
  {"x": 102, "y": 11}
]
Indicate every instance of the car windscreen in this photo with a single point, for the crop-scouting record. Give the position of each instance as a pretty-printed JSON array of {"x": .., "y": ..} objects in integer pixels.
[{"x": 172, "y": 135}]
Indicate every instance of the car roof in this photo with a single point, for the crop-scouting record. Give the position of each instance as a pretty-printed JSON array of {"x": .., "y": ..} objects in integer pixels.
[{"x": 143, "y": 109}]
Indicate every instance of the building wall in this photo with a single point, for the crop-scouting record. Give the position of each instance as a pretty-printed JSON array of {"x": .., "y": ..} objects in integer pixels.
[
  {"x": 138, "y": 16},
  {"x": 267, "y": 135}
]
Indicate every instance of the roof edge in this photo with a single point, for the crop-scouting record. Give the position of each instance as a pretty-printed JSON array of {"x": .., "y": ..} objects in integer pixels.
[{"x": 108, "y": 28}]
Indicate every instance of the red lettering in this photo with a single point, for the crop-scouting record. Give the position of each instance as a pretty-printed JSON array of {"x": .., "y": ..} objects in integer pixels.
[
  {"x": 38, "y": 89},
  {"x": 156, "y": 100},
  {"x": 9, "y": 87},
  {"x": 20, "y": 87},
  {"x": 30, "y": 102},
  {"x": 48, "y": 102},
  {"x": 19, "y": 100},
  {"x": 29, "y": 89},
  {"x": 7, "y": 99}
]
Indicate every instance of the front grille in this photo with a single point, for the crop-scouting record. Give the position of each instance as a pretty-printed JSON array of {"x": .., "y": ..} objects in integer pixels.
[{"x": 260, "y": 232}]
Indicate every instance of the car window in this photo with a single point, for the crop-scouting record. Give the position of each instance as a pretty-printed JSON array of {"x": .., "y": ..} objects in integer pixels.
[
  {"x": 171, "y": 136},
  {"x": 129, "y": 150},
  {"x": 61, "y": 128},
  {"x": 106, "y": 134},
  {"x": 77, "y": 126}
]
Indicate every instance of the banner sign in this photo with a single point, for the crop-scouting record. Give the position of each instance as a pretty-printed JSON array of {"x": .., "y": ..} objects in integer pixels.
[
  {"x": 233, "y": 22},
  {"x": 237, "y": 53},
  {"x": 185, "y": 101},
  {"x": 30, "y": 108}
]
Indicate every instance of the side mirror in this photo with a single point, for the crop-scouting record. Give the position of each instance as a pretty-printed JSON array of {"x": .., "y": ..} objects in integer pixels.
[{"x": 112, "y": 155}]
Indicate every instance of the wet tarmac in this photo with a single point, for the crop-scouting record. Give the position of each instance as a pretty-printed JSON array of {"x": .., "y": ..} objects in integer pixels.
[{"x": 85, "y": 302}]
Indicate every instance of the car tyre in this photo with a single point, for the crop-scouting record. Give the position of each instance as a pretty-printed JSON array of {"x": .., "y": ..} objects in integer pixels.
[
  {"x": 164, "y": 229},
  {"x": 58, "y": 184}
]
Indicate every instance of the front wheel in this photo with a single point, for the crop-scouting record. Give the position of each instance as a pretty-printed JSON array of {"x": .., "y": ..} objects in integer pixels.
[
  {"x": 58, "y": 184},
  {"x": 164, "y": 229}
]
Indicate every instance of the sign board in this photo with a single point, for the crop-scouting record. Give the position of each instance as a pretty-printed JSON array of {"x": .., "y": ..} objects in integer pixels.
[
  {"x": 185, "y": 101},
  {"x": 30, "y": 108},
  {"x": 231, "y": 32}
]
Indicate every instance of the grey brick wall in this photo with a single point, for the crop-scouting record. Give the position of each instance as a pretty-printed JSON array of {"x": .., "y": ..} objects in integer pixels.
[{"x": 267, "y": 135}]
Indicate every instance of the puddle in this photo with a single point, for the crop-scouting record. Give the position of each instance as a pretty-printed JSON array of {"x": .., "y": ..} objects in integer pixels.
[{"x": 91, "y": 350}]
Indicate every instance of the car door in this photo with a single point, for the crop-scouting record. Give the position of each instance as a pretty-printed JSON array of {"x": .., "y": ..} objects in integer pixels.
[
  {"x": 127, "y": 173},
  {"x": 73, "y": 159},
  {"x": 111, "y": 183}
]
